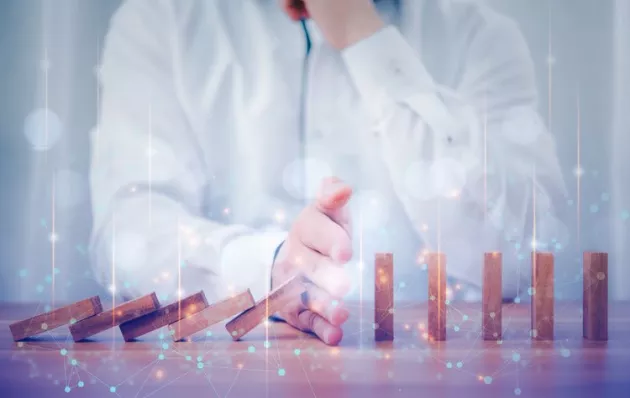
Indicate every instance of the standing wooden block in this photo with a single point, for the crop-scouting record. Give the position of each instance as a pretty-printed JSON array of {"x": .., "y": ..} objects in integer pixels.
[
  {"x": 120, "y": 314},
  {"x": 595, "y": 310},
  {"x": 437, "y": 296},
  {"x": 61, "y": 316},
  {"x": 212, "y": 314},
  {"x": 542, "y": 296},
  {"x": 163, "y": 316},
  {"x": 271, "y": 304},
  {"x": 492, "y": 297},
  {"x": 384, "y": 296}
]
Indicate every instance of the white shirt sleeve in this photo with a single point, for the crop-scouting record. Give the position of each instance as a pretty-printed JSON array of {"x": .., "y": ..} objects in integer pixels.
[
  {"x": 467, "y": 162},
  {"x": 149, "y": 179}
]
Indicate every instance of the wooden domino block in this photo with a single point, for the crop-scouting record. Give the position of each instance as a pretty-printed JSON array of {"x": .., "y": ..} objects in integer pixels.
[
  {"x": 542, "y": 296},
  {"x": 384, "y": 296},
  {"x": 266, "y": 307},
  {"x": 212, "y": 314},
  {"x": 492, "y": 296},
  {"x": 163, "y": 316},
  {"x": 61, "y": 316},
  {"x": 437, "y": 296},
  {"x": 109, "y": 319},
  {"x": 595, "y": 309}
]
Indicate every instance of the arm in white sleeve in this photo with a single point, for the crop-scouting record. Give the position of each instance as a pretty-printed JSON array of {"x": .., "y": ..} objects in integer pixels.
[
  {"x": 465, "y": 163},
  {"x": 149, "y": 178}
]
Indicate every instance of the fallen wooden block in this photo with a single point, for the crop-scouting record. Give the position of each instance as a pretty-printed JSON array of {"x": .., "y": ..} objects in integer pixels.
[
  {"x": 266, "y": 307},
  {"x": 595, "y": 302},
  {"x": 51, "y": 320},
  {"x": 163, "y": 316},
  {"x": 437, "y": 296},
  {"x": 492, "y": 296},
  {"x": 212, "y": 314},
  {"x": 542, "y": 296},
  {"x": 384, "y": 297},
  {"x": 114, "y": 317}
]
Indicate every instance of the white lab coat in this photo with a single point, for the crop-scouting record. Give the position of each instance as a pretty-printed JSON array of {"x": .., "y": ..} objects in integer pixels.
[{"x": 196, "y": 173}]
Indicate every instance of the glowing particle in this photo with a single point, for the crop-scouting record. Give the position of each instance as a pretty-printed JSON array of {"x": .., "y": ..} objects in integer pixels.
[
  {"x": 449, "y": 365},
  {"x": 74, "y": 362},
  {"x": 594, "y": 208},
  {"x": 199, "y": 358},
  {"x": 251, "y": 349},
  {"x": 516, "y": 357},
  {"x": 161, "y": 336},
  {"x": 605, "y": 197},
  {"x": 460, "y": 364},
  {"x": 112, "y": 389},
  {"x": 531, "y": 291},
  {"x": 267, "y": 343},
  {"x": 188, "y": 358},
  {"x": 517, "y": 300},
  {"x": 456, "y": 328},
  {"x": 625, "y": 215},
  {"x": 165, "y": 346},
  {"x": 601, "y": 276},
  {"x": 335, "y": 303},
  {"x": 447, "y": 302},
  {"x": 23, "y": 273},
  {"x": 63, "y": 352},
  {"x": 161, "y": 357},
  {"x": 565, "y": 352},
  {"x": 465, "y": 317},
  {"x": 517, "y": 391},
  {"x": 199, "y": 365},
  {"x": 67, "y": 389},
  {"x": 281, "y": 372},
  {"x": 375, "y": 326},
  {"x": 39, "y": 288},
  {"x": 209, "y": 333},
  {"x": 487, "y": 379},
  {"x": 492, "y": 315},
  {"x": 44, "y": 326},
  {"x": 73, "y": 321},
  {"x": 80, "y": 384},
  {"x": 402, "y": 285},
  {"x": 296, "y": 351}
]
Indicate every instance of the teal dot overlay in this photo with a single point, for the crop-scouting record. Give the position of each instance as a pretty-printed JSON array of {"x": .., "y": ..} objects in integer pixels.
[
  {"x": 281, "y": 372},
  {"x": 112, "y": 389},
  {"x": 74, "y": 362},
  {"x": 594, "y": 208},
  {"x": 267, "y": 344},
  {"x": 487, "y": 379},
  {"x": 517, "y": 391},
  {"x": 460, "y": 365},
  {"x": 565, "y": 352},
  {"x": 449, "y": 365},
  {"x": 80, "y": 384},
  {"x": 516, "y": 357},
  {"x": 161, "y": 357},
  {"x": 200, "y": 365},
  {"x": 251, "y": 349},
  {"x": 296, "y": 351},
  {"x": 67, "y": 389},
  {"x": 63, "y": 351},
  {"x": 199, "y": 358},
  {"x": 188, "y": 358}
]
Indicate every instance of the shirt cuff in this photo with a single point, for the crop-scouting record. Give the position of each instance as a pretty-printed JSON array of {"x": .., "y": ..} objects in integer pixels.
[
  {"x": 246, "y": 262},
  {"x": 386, "y": 69}
]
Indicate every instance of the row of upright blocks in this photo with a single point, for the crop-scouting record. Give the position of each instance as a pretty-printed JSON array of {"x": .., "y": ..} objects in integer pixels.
[
  {"x": 595, "y": 298},
  {"x": 193, "y": 314}
]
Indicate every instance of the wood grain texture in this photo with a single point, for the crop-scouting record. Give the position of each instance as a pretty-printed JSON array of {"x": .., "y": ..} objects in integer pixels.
[
  {"x": 384, "y": 296},
  {"x": 109, "y": 319},
  {"x": 436, "y": 263},
  {"x": 542, "y": 296},
  {"x": 53, "y": 319},
  {"x": 274, "y": 302},
  {"x": 492, "y": 296},
  {"x": 595, "y": 301},
  {"x": 163, "y": 316},
  {"x": 214, "y": 313}
]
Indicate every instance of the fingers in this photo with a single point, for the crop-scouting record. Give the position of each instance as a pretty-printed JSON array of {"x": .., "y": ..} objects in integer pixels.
[
  {"x": 331, "y": 200},
  {"x": 309, "y": 321},
  {"x": 323, "y": 304},
  {"x": 320, "y": 233},
  {"x": 322, "y": 271}
]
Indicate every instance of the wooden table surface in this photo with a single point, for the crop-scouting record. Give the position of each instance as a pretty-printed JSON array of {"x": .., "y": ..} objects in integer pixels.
[{"x": 276, "y": 361}]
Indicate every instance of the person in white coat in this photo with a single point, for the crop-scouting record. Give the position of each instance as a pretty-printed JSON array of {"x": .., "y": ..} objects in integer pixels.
[{"x": 219, "y": 120}]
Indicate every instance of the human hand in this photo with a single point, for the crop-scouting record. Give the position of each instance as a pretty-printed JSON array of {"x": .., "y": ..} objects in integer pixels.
[
  {"x": 343, "y": 22},
  {"x": 317, "y": 246}
]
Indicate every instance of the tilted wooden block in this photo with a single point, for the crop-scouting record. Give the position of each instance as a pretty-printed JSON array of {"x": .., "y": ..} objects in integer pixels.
[
  {"x": 384, "y": 296},
  {"x": 595, "y": 302},
  {"x": 114, "y": 317},
  {"x": 266, "y": 307},
  {"x": 437, "y": 296},
  {"x": 212, "y": 314},
  {"x": 61, "y": 316},
  {"x": 492, "y": 296},
  {"x": 542, "y": 296},
  {"x": 163, "y": 316}
]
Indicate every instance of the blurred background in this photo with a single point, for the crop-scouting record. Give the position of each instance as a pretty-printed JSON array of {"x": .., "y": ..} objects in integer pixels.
[{"x": 49, "y": 56}]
